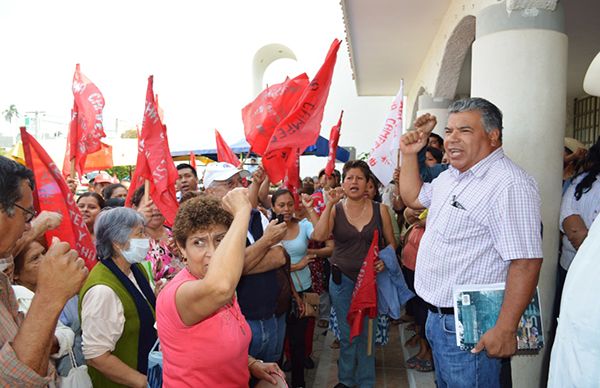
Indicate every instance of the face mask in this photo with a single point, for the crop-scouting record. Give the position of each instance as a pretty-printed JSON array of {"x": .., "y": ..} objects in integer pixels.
[{"x": 138, "y": 249}]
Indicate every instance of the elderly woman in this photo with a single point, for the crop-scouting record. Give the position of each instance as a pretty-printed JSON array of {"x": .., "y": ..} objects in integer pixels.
[
  {"x": 352, "y": 221},
  {"x": 90, "y": 204},
  {"x": 203, "y": 335},
  {"x": 164, "y": 263},
  {"x": 117, "y": 303}
]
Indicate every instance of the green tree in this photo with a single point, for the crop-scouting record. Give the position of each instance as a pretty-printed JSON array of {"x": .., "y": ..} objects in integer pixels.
[
  {"x": 121, "y": 171},
  {"x": 129, "y": 134},
  {"x": 10, "y": 113}
]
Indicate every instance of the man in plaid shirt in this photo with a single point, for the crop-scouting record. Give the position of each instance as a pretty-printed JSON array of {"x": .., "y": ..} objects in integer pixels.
[
  {"x": 483, "y": 227},
  {"x": 25, "y": 343}
]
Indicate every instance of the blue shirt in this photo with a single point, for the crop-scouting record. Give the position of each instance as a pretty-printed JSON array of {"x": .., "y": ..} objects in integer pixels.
[{"x": 296, "y": 248}]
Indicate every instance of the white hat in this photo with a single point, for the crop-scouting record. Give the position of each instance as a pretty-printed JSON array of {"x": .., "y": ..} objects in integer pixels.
[{"x": 221, "y": 171}]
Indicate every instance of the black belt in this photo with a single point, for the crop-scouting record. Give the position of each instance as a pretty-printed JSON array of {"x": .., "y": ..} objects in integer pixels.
[{"x": 440, "y": 310}]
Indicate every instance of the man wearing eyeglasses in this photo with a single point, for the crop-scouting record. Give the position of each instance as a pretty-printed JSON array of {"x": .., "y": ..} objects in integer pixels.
[{"x": 25, "y": 343}]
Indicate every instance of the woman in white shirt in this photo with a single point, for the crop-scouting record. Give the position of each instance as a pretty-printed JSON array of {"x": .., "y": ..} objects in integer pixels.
[{"x": 117, "y": 303}]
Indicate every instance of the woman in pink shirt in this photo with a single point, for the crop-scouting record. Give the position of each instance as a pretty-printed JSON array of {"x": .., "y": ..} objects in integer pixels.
[{"x": 203, "y": 335}]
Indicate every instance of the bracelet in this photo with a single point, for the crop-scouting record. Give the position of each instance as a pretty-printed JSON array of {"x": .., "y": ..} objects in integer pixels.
[{"x": 254, "y": 362}]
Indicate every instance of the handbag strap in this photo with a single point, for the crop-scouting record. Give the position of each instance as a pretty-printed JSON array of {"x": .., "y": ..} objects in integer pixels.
[
  {"x": 72, "y": 358},
  {"x": 155, "y": 346}
]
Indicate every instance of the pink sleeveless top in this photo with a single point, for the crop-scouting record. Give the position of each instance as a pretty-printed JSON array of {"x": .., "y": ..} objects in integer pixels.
[{"x": 212, "y": 353}]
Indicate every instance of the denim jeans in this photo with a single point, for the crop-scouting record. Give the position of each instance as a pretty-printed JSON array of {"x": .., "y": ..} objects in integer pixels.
[
  {"x": 454, "y": 367},
  {"x": 267, "y": 338},
  {"x": 355, "y": 368}
]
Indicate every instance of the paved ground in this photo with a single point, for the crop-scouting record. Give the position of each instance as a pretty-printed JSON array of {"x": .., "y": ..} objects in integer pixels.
[{"x": 389, "y": 363}]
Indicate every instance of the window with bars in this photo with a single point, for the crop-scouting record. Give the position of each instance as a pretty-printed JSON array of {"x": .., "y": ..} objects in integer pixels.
[{"x": 586, "y": 120}]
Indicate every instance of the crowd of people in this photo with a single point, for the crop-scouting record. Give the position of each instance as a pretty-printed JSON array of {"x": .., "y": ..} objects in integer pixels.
[{"x": 232, "y": 293}]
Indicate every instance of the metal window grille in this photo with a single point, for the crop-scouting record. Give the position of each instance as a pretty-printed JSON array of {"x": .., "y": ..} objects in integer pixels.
[{"x": 586, "y": 120}]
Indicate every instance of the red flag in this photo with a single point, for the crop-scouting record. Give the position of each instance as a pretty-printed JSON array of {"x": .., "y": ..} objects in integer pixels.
[
  {"x": 301, "y": 127},
  {"x": 99, "y": 160},
  {"x": 364, "y": 296},
  {"x": 193, "y": 159},
  {"x": 154, "y": 162},
  {"x": 224, "y": 152},
  {"x": 52, "y": 193},
  {"x": 262, "y": 115},
  {"x": 85, "y": 129},
  {"x": 334, "y": 137}
]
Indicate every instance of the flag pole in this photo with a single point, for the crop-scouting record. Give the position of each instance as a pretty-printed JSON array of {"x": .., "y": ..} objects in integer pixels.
[
  {"x": 370, "y": 338},
  {"x": 72, "y": 174},
  {"x": 146, "y": 190}
]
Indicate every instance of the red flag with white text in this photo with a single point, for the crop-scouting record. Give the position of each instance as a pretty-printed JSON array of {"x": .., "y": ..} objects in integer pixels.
[
  {"x": 52, "y": 193},
  {"x": 86, "y": 128},
  {"x": 334, "y": 137},
  {"x": 154, "y": 161},
  {"x": 272, "y": 105},
  {"x": 301, "y": 127},
  {"x": 224, "y": 152},
  {"x": 364, "y": 296}
]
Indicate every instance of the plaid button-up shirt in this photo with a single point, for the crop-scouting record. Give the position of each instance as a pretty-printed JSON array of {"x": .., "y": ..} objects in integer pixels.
[
  {"x": 13, "y": 373},
  {"x": 478, "y": 222}
]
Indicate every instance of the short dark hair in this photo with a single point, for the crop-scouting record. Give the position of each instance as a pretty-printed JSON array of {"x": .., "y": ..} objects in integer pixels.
[
  {"x": 94, "y": 195},
  {"x": 199, "y": 213},
  {"x": 114, "y": 202},
  {"x": 360, "y": 164},
  {"x": 437, "y": 154},
  {"x": 438, "y": 137},
  {"x": 137, "y": 196},
  {"x": 183, "y": 166},
  {"x": 108, "y": 190},
  {"x": 11, "y": 176},
  {"x": 278, "y": 194}
]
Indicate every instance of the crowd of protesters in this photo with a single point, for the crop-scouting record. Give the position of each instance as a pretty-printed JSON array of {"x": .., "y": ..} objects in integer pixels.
[{"x": 226, "y": 290}]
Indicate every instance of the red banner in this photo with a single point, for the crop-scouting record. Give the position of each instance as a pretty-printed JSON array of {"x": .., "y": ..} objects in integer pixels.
[
  {"x": 301, "y": 127},
  {"x": 154, "y": 162},
  {"x": 364, "y": 296},
  {"x": 86, "y": 129},
  {"x": 52, "y": 193},
  {"x": 262, "y": 115},
  {"x": 193, "y": 160},
  {"x": 224, "y": 152},
  {"x": 334, "y": 137}
]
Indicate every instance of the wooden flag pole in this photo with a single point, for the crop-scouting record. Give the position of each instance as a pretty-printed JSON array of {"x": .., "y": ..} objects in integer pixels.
[
  {"x": 370, "y": 338},
  {"x": 72, "y": 174},
  {"x": 146, "y": 190}
]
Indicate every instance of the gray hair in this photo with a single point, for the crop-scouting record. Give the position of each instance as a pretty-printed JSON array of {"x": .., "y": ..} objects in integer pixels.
[
  {"x": 491, "y": 116},
  {"x": 115, "y": 226}
]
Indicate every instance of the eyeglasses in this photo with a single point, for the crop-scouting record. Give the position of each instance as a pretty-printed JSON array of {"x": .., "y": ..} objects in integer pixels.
[{"x": 30, "y": 214}]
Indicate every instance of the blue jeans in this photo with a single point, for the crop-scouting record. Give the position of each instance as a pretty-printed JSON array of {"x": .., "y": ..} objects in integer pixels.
[
  {"x": 267, "y": 338},
  {"x": 355, "y": 368},
  {"x": 454, "y": 367}
]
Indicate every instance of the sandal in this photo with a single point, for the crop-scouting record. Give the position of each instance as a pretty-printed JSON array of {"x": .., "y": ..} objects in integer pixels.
[
  {"x": 424, "y": 365},
  {"x": 412, "y": 362},
  {"x": 412, "y": 341}
]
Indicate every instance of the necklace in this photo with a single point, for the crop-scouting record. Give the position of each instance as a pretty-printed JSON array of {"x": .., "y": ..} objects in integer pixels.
[{"x": 352, "y": 219}]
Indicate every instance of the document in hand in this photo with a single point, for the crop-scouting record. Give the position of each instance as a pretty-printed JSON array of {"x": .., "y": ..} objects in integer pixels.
[{"x": 477, "y": 307}]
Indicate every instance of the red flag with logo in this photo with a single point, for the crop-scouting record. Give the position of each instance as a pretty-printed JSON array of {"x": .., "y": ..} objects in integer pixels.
[
  {"x": 224, "y": 152},
  {"x": 364, "y": 296},
  {"x": 154, "y": 161},
  {"x": 334, "y": 137},
  {"x": 301, "y": 127},
  {"x": 52, "y": 193},
  {"x": 193, "y": 159},
  {"x": 272, "y": 105},
  {"x": 85, "y": 129}
]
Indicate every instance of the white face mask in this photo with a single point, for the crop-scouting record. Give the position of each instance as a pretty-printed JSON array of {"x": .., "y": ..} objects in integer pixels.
[{"x": 138, "y": 249}]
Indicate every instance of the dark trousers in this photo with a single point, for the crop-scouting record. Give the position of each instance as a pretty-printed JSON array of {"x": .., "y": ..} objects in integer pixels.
[{"x": 296, "y": 332}]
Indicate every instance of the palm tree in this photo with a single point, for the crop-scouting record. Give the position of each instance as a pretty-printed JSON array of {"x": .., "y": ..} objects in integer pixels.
[{"x": 10, "y": 113}]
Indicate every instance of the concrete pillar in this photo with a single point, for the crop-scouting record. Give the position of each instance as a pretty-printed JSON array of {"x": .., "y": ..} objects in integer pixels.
[
  {"x": 436, "y": 106},
  {"x": 520, "y": 64}
]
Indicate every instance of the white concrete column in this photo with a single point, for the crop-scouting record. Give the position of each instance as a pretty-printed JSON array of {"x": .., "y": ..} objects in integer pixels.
[
  {"x": 436, "y": 106},
  {"x": 520, "y": 64}
]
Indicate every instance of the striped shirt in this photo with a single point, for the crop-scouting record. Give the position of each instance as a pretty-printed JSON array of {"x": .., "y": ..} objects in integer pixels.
[
  {"x": 478, "y": 222},
  {"x": 13, "y": 373},
  {"x": 587, "y": 208}
]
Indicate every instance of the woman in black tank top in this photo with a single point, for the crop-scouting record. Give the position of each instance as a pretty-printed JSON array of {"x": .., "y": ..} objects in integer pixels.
[{"x": 352, "y": 219}]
